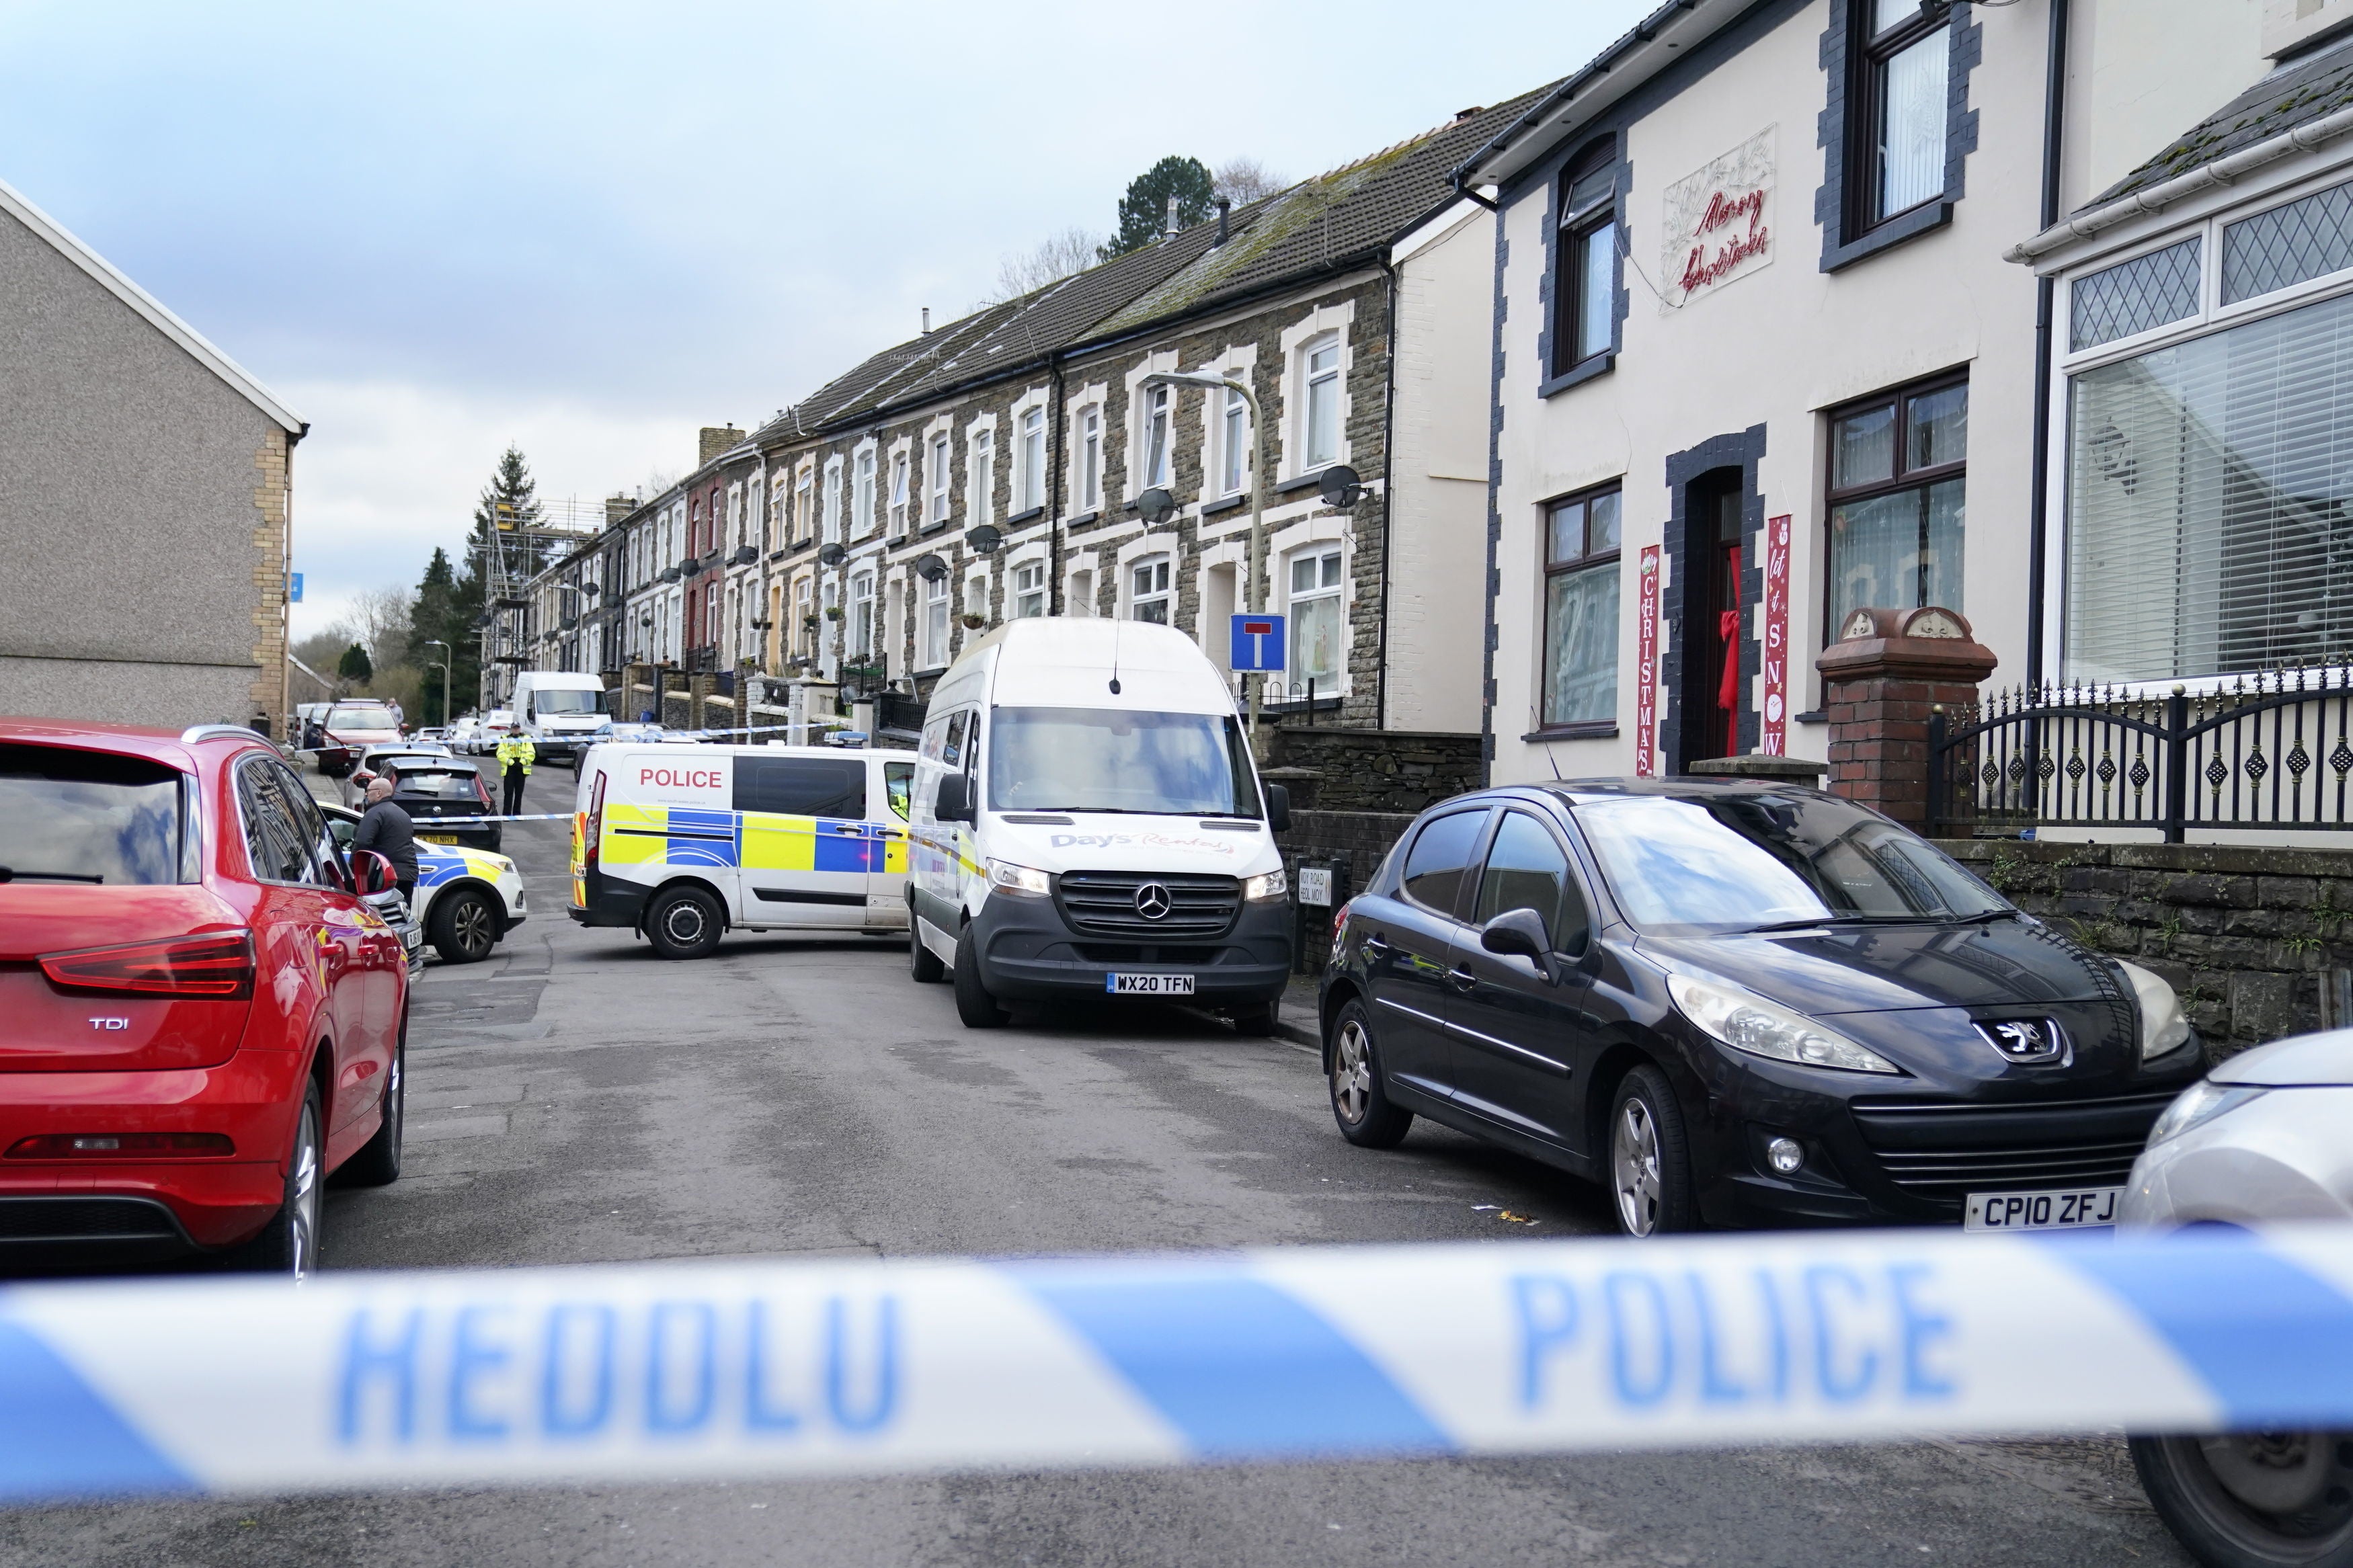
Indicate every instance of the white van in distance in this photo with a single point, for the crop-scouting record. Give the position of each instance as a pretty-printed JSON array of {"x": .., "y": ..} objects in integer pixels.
[
  {"x": 1087, "y": 822},
  {"x": 560, "y": 710},
  {"x": 681, "y": 843}
]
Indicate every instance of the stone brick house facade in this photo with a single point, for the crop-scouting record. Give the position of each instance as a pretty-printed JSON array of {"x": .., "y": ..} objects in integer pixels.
[
  {"x": 151, "y": 590},
  {"x": 990, "y": 468}
]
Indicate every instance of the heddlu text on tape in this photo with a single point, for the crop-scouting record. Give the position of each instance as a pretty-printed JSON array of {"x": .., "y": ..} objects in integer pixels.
[{"x": 673, "y": 1371}]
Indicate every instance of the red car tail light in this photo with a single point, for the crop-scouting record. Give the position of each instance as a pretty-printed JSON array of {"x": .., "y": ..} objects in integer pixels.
[
  {"x": 483, "y": 790},
  {"x": 122, "y": 1146},
  {"x": 220, "y": 965}
]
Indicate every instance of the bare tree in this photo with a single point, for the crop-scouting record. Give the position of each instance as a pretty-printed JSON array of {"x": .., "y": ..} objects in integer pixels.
[
  {"x": 381, "y": 620},
  {"x": 1057, "y": 256},
  {"x": 1246, "y": 180}
]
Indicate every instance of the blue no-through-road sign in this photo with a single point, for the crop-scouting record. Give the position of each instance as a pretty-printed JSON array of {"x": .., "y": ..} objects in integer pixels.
[
  {"x": 1258, "y": 642},
  {"x": 293, "y": 588}
]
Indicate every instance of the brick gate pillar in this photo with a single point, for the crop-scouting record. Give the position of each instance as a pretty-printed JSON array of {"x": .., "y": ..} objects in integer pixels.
[{"x": 1881, "y": 678}]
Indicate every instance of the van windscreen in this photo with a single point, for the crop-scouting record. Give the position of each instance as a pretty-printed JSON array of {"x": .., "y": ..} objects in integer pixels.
[
  {"x": 1110, "y": 759},
  {"x": 545, "y": 702}
]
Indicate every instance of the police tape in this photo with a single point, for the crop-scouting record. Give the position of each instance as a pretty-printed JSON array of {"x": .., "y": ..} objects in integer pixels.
[
  {"x": 424, "y": 824},
  {"x": 717, "y": 1370}
]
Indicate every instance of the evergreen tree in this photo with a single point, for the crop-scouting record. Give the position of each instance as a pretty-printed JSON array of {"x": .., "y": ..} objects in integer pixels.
[
  {"x": 437, "y": 617},
  {"x": 354, "y": 666},
  {"x": 509, "y": 507},
  {"x": 1143, "y": 211}
]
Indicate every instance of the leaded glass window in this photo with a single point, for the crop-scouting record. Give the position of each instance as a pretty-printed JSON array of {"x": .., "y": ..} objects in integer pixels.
[
  {"x": 2135, "y": 296},
  {"x": 2289, "y": 245}
]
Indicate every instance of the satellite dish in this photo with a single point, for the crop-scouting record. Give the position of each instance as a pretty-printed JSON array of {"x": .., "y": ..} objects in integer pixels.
[
  {"x": 1156, "y": 505},
  {"x": 930, "y": 567},
  {"x": 1340, "y": 486},
  {"x": 986, "y": 538},
  {"x": 831, "y": 556}
]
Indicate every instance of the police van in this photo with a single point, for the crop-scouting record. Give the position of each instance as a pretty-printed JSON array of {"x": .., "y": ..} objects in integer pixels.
[
  {"x": 1087, "y": 822},
  {"x": 682, "y": 843}
]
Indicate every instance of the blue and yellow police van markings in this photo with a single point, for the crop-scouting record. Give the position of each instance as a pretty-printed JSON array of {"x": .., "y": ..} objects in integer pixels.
[
  {"x": 754, "y": 840},
  {"x": 436, "y": 865}
]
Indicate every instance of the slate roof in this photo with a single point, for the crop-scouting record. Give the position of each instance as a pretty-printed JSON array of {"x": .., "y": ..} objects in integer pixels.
[
  {"x": 1328, "y": 224},
  {"x": 2287, "y": 99}
]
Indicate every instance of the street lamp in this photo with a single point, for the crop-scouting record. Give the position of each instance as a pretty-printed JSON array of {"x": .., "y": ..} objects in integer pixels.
[
  {"x": 1254, "y": 590},
  {"x": 446, "y": 654}
]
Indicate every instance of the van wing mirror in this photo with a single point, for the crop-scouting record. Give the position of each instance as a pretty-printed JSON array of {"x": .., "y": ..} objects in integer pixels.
[
  {"x": 1519, "y": 933},
  {"x": 372, "y": 873},
  {"x": 953, "y": 803},
  {"x": 1278, "y": 808}
]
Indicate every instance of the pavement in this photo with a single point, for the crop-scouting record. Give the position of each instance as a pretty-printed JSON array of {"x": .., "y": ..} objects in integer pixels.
[{"x": 577, "y": 1100}]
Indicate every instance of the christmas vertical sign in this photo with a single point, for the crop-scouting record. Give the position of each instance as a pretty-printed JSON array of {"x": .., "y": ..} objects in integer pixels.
[
  {"x": 1646, "y": 667},
  {"x": 1776, "y": 740}
]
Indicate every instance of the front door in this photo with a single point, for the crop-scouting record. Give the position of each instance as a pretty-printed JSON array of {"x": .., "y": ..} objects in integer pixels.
[
  {"x": 1409, "y": 943},
  {"x": 1515, "y": 1029},
  {"x": 1711, "y": 628},
  {"x": 806, "y": 842}
]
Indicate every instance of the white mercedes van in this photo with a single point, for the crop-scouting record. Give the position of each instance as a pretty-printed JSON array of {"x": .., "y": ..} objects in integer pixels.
[
  {"x": 1087, "y": 822},
  {"x": 682, "y": 843},
  {"x": 561, "y": 711}
]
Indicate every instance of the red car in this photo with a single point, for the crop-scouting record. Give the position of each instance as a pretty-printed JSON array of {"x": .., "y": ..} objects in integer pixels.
[
  {"x": 350, "y": 728},
  {"x": 200, "y": 1020}
]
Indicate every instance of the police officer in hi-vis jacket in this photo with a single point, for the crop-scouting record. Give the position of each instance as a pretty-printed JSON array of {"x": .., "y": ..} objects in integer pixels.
[{"x": 516, "y": 753}]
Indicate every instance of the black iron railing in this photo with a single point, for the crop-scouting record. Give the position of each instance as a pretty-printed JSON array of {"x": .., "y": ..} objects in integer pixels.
[{"x": 2272, "y": 750}]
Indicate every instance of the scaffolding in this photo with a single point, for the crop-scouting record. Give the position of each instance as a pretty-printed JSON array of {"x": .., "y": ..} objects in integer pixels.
[{"x": 520, "y": 546}]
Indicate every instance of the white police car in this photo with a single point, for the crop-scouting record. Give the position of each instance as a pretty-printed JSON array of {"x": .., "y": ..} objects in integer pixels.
[{"x": 466, "y": 900}]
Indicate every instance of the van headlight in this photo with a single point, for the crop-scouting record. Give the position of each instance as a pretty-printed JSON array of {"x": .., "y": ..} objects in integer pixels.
[
  {"x": 1006, "y": 877},
  {"x": 2197, "y": 1105},
  {"x": 1746, "y": 1022},
  {"x": 1265, "y": 885},
  {"x": 2164, "y": 1029}
]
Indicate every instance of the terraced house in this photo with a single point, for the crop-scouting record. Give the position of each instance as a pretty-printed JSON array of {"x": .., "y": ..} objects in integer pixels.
[{"x": 993, "y": 468}]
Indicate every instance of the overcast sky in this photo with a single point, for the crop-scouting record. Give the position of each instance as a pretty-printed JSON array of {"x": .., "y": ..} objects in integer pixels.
[{"x": 591, "y": 228}]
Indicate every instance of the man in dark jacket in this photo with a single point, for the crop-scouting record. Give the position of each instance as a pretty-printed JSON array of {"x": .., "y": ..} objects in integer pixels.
[{"x": 386, "y": 829}]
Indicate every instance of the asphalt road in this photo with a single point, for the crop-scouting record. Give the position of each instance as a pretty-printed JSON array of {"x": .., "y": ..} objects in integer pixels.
[{"x": 577, "y": 1100}]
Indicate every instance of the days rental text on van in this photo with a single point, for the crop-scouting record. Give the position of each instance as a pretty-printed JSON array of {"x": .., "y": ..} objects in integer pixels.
[
  {"x": 561, "y": 711},
  {"x": 1088, "y": 822},
  {"x": 681, "y": 843}
]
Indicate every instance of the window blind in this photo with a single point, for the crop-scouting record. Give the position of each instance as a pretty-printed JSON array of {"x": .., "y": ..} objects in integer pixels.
[{"x": 2210, "y": 503}]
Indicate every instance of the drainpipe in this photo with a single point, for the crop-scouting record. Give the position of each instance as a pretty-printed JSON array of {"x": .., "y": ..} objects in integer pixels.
[
  {"x": 1389, "y": 509},
  {"x": 2037, "y": 521},
  {"x": 1054, "y": 493}
]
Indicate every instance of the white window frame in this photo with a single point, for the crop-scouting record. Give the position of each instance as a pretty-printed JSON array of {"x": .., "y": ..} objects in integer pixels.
[
  {"x": 980, "y": 471},
  {"x": 938, "y": 629},
  {"x": 1133, "y": 600},
  {"x": 1026, "y": 587},
  {"x": 1320, "y": 386},
  {"x": 1298, "y": 341},
  {"x": 804, "y": 639},
  {"x": 1318, "y": 551},
  {"x": 864, "y": 472},
  {"x": 804, "y": 502},
  {"x": 859, "y": 639},
  {"x": 940, "y": 461},
  {"x": 829, "y": 524},
  {"x": 902, "y": 488},
  {"x": 1158, "y": 425},
  {"x": 1030, "y": 458}
]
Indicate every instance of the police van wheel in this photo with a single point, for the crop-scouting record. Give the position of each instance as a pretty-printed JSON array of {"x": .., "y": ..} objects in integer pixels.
[
  {"x": 684, "y": 922},
  {"x": 464, "y": 928},
  {"x": 974, "y": 1006},
  {"x": 922, "y": 962}
]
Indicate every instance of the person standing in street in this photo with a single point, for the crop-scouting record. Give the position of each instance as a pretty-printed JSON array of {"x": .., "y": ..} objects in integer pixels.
[
  {"x": 386, "y": 829},
  {"x": 516, "y": 753}
]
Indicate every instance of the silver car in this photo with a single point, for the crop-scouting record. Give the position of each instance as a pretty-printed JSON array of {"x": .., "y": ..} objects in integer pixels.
[{"x": 2268, "y": 1135}]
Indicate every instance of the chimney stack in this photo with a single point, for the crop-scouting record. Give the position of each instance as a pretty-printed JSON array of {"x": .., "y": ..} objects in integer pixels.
[
  {"x": 617, "y": 506},
  {"x": 1170, "y": 228},
  {"x": 715, "y": 440},
  {"x": 927, "y": 321}
]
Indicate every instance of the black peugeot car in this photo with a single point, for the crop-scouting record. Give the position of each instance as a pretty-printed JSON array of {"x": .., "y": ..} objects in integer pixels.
[
  {"x": 430, "y": 788},
  {"x": 1742, "y": 1003}
]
